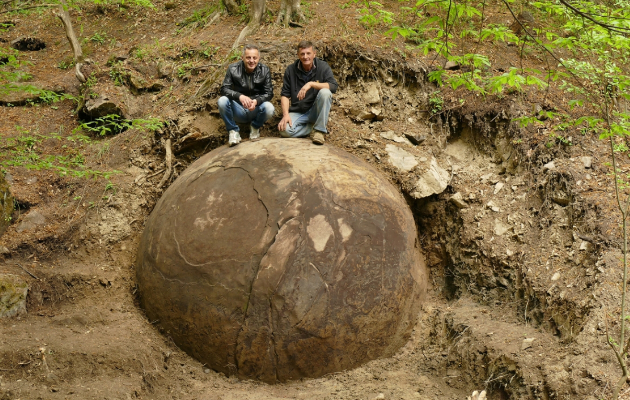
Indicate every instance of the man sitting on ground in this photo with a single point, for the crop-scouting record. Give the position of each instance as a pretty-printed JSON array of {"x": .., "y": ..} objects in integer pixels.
[
  {"x": 307, "y": 96},
  {"x": 246, "y": 91}
]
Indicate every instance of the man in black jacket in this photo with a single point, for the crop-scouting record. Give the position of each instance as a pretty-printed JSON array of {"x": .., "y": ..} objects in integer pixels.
[
  {"x": 246, "y": 91},
  {"x": 307, "y": 96}
]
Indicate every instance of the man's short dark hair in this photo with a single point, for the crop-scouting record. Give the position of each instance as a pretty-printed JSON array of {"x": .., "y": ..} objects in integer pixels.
[
  {"x": 250, "y": 46},
  {"x": 305, "y": 44}
]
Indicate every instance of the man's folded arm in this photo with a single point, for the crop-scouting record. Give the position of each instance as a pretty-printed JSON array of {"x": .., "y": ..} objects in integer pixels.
[{"x": 330, "y": 79}]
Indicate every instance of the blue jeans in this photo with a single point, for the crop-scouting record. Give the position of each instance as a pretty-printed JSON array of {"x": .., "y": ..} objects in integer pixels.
[
  {"x": 315, "y": 118},
  {"x": 233, "y": 112}
]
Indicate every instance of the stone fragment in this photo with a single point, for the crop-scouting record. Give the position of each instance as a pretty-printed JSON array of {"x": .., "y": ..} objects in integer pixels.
[
  {"x": 587, "y": 161},
  {"x": 31, "y": 221},
  {"x": 360, "y": 114},
  {"x": 401, "y": 159},
  {"x": 100, "y": 107},
  {"x": 586, "y": 246},
  {"x": 278, "y": 260},
  {"x": 458, "y": 201},
  {"x": 451, "y": 66},
  {"x": 415, "y": 138},
  {"x": 555, "y": 276},
  {"x": 498, "y": 187},
  {"x": 500, "y": 228},
  {"x": 493, "y": 206},
  {"x": 561, "y": 197},
  {"x": 6, "y": 204},
  {"x": 25, "y": 43},
  {"x": 13, "y": 293},
  {"x": 390, "y": 135},
  {"x": 527, "y": 343},
  {"x": 371, "y": 95},
  {"x": 4, "y": 251},
  {"x": 165, "y": 69},
  {"x": 509, "y": 252},
  {"x": 138, "y": 84},
  {"x": 549, "y": 166},
  {"x": 433, "y": 181}
]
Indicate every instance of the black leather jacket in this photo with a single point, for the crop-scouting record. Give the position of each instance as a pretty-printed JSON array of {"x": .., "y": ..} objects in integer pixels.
[{"x": 257, "y": 85}]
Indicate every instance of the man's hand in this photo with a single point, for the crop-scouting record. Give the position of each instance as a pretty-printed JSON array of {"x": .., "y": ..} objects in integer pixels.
[
  {"x": 282, "y": 126},
  {"x": 302, "y": 92},
  {"x": 247, "y": 102}
]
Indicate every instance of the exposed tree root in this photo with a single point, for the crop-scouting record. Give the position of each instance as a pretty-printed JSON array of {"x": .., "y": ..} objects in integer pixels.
[
  {"x": 168, "y": 162},
  {"x": 64, "y": 16}
]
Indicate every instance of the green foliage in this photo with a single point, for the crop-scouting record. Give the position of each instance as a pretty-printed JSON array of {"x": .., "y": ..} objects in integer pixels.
[
  {"x": 113, "y": 123},
  {"x": 117, "y": 73},
  {"x": 199, "y": 18},
  {"x": 98, "y": 38},
  {"x": 436, "y": 103},
  {"x": 23, "y": 151}
]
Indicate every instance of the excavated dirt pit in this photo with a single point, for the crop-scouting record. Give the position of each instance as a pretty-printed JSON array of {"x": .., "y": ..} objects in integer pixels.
[{"x": 522, "y": 267}]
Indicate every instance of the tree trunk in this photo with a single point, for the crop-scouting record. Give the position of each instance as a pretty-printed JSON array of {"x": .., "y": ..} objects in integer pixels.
[
  {"x": 231, "y": 6},
  {"x": 290, "y": 11},
  {"x": 256, "y": 14},
  {"x": 64, "y": 16}
]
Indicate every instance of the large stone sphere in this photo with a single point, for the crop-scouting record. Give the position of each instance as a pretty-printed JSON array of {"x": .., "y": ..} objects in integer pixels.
[{"x": 278, "y": 259}]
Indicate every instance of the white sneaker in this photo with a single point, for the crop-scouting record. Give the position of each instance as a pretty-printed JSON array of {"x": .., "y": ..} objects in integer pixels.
[
  {"x": 235, "y": 138},
  {"x": 254, "y": 133}
]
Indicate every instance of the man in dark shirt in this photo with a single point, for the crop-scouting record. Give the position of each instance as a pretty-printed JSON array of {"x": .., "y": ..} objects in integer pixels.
[
  {"x": 246, "y": 91},
  {"x": 307, "y": 96}
]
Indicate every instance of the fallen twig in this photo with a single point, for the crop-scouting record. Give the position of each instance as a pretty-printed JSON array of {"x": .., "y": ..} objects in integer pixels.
[{"x": 25, "y": 270}]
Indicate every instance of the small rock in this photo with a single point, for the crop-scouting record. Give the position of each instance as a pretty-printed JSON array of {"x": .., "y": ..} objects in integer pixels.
[
  {"x": 587, "y": 161},
  {"x": 549, "y": 166},
  {"x": 25, "y": 43},
  {"x": 493, "y": 206},
  {"x": 400, "y": 158},
  {"x": 433, "y": 181},
  {"x": 415, "y": 138},
  {"x": 360, "y": 144},
  {"x": 498, "y": 187},
  {"x": 390, "y": 135},
  {"x": 31, "y": 221},
  {"x": 458, "y": 201},
  {"x": 371, "y": 95},
  {"x": 164, "y": 70},
  {"x": 206, "y": 370},
  {"x": 509, "y": 252},
  {"x": 100, "y": 107},
  {"x": 586, "y": 246},
  {"x": 380, "y": 396},
  {"x": 500, "y": 228},
  {"x": 555, "y": 276},
  {"x": 527, "y": 343},
  {"x": 361, "y": 115},
  {"x": 170, "y": 5},
  {"x": 4, "y": 251},
  {"x": 451, "y": 66},
  {"x": 13, "y": 293}
]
